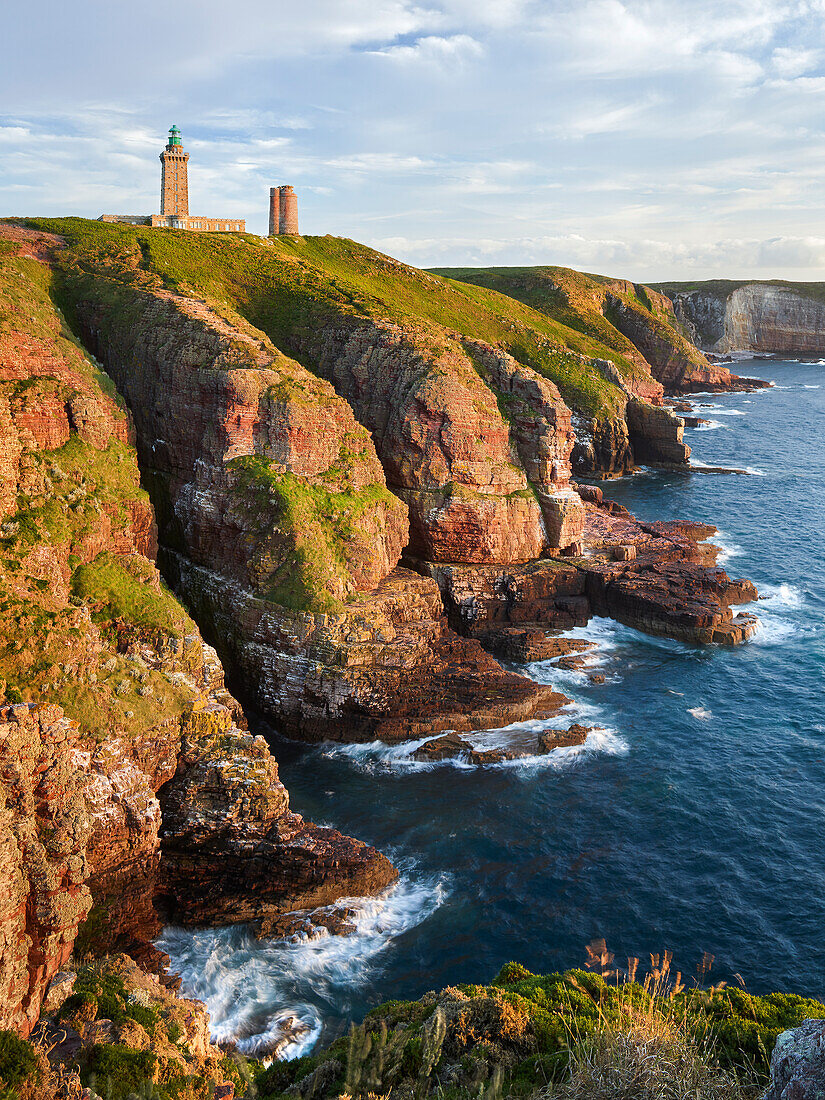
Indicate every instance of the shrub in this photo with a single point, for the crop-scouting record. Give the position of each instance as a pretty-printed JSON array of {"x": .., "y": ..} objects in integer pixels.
[
  {"x": 19, "y": 1065},
  {"x": 115, "y": 1071}
]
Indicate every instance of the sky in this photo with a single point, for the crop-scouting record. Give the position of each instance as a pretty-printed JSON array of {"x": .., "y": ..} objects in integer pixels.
[{"x": 648, "y": 139}]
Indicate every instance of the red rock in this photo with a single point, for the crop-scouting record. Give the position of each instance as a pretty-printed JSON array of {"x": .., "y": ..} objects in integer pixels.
[
  {"x": 44, "y": 829},
  {"x": 559, "y": 739},
  {"x": 443, "y": 748}
]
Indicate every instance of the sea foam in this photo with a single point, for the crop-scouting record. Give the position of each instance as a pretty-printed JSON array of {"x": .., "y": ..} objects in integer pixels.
[{"x": 270, "y": 996}]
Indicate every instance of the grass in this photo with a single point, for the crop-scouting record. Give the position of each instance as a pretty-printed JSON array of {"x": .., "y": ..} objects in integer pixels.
[
  {"x": 128, "y": 589},
  {"x": 587, "y": 303},
  {"x": 150, "y": 1057},
  {"x": 603, "y": 1036},
  {"x": 291, "y": 287},
  {"x": 310, "y": 538},
  {"x": 20, "y": 1068},
  {"x": 77, "y": 484},
  {"x": 60, "y": 647}
]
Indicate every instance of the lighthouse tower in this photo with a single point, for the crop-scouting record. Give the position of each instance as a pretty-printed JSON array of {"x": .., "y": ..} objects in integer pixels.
[{"x": 174, "y": 182}]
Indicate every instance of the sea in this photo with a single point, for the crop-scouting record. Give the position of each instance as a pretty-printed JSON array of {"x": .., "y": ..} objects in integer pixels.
[{"x": 692, "y": 820}]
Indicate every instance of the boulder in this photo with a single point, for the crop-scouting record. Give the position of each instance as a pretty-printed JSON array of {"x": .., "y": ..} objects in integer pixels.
[
  {"x": 798, "y": 1064},
  {"x": 560, "y": 739}
]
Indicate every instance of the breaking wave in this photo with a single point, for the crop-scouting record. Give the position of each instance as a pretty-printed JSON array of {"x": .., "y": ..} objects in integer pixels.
[
  {"x": 699, "y": 465},
  {"x": 271, "y": 996}
]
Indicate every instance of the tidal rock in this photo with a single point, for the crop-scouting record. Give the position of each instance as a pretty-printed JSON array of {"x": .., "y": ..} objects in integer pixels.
[
  {"x": 336, "y": 920},
  {"x": 443, "y": 748},
  {"x": 656, "y": 435},
  {"x": 559, "y": 739}
]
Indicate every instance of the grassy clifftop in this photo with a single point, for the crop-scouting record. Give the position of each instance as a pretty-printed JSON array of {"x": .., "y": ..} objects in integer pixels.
[
  {"x": 723, "y": 288},
  {"x": 287, "y": 287},
  {"x": 571, "y": 1035},
  {"x": 633, "y": 321}
]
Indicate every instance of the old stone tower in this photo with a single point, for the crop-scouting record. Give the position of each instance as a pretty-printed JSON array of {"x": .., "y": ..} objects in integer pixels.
[
  {"x": 174, "y": 182},
  {"x": 283, "y": 212}
]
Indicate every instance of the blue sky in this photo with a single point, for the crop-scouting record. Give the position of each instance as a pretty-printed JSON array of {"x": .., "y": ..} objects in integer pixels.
[{"x": 650, "y": 139}]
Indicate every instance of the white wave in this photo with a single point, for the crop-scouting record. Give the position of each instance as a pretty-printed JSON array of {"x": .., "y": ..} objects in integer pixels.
[
  {"x": 702, "y": 714},
  {"x": 725, "y": 412},
  {"x": 699, "y": 465},
  {"x": 811, "y": 387},
  {"x": 378, "y": 756},
  {"x": 519, "y": 737},
  {"x": 709, "y": 426},
  {"x": 773, "y": 631},
  {"x": 782, "y": 595},
  {"x": 270, "y": 996},
  {"x": 728, "y": 549}
]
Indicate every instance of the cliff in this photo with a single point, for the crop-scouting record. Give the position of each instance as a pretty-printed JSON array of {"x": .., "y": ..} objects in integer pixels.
[
  {"x": 110, "y": 704},
  {"x": 635, "y": 322},
  {"x": 313, "y": 297},
  {"x": 286, "y": 495},
  {"x": 780, "y": 317}
]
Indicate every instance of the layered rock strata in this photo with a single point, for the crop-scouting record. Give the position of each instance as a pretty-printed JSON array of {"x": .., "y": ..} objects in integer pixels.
[
  {"x": 648, "y": 320},
  {"x": 760, "y": 317},
  {"x": 334, "y": 655},
  {"x": 44, "y": 832},
  {"x": 233, "y": 851},
  {"x": 119, "y": 703},
  {"x": 656, "y": 577},
  {"x": 482, "y": 485}
]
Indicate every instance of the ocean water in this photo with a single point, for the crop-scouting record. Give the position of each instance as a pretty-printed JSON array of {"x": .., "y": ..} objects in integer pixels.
[{"x": 693, "y": 819}]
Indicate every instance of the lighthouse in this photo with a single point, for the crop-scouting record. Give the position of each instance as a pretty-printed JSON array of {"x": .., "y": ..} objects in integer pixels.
[{"x": 174, "y": 179}]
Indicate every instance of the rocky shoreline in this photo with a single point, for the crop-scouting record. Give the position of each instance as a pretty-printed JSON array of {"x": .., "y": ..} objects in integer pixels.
[{"x": 363, "y": 543}]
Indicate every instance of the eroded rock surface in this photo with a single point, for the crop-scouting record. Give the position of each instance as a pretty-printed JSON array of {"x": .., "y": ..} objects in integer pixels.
[
  {"x": 798, "y": 1063},
  {"x": 44, "y": 832},
  {"x": 233, "y": 851},
  {"x": 752, "y": 317}
]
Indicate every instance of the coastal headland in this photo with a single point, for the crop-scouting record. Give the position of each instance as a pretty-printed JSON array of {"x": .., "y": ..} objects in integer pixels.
[{"x": 358, "y": 488}]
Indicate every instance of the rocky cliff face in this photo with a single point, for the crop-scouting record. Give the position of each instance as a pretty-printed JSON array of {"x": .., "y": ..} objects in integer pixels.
[
  {"x": 655, "y": 331},
  {"x": 753, "y": 317},
  {"x": 111, "y": 705},
  {"x": 44, "y": 831},
  {"x": 275, "y": 520},
  {"x": 477, "y": 444},
  {"x": 635, "y": 325}
]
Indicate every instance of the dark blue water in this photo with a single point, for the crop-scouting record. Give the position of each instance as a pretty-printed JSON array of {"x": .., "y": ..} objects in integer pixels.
[{"x": 694, "y": 822}]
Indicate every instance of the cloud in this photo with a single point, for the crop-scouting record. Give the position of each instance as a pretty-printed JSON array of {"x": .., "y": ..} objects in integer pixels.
[
  {"x": 789, "y": 62},
  {"x": 628, "y": 135},
  {"x": 458, "y": 49},
  {"x": 643, "y": 260}
]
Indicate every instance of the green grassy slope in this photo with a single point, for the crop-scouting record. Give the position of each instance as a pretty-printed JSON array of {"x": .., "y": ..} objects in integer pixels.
[
  {"x": 287, "y": 287},
  {"x": 522, "y": 1035},
  {"x": 588, "y": 303}
]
